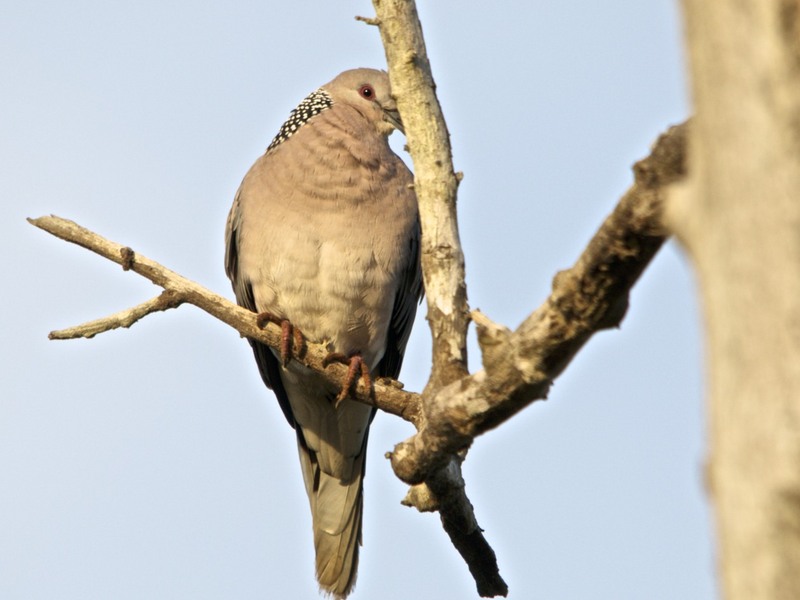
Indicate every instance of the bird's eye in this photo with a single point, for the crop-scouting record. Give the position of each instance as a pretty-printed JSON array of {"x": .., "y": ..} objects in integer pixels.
[{"x": 367, "y": 92}]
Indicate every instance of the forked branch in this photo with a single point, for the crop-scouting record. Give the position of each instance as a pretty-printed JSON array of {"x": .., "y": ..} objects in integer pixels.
[{"x": 519, "y": 366}]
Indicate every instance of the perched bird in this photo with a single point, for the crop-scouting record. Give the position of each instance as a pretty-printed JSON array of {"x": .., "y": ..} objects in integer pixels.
[{"x": 323, "y": 236}]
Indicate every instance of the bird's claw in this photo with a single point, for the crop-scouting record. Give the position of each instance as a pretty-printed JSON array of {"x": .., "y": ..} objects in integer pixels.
[
  {"x": 356, "y": 367},
  {"x": 292, "y": 339}
]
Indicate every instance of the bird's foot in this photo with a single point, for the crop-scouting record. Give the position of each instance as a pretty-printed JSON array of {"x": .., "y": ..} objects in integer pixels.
[
  {"x": 356, "y": 367},
  {"x": 292, "y": 339}
]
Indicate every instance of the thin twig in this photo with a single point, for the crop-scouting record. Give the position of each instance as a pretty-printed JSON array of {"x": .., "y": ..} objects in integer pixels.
[
  {"x": 124, "y": 318},
  {"x": 368, "y": 20}
]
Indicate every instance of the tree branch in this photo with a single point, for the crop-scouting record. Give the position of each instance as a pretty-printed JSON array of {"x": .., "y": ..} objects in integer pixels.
[
  {"x": 124, "y": 318},
  {"x": 442, "y": 259},
  {"x": 387, "y": 395},
  {"x": 435, "y": 183},
  {"x": 519, "y": 366}
]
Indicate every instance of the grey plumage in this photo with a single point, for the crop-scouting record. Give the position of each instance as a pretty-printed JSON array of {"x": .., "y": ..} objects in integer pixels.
[{"x": 324, "y": 232}]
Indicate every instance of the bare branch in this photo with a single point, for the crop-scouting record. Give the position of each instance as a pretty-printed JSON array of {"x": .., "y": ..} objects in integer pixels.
[
  {"x": 435, "y": 183},
  {"x": 124, "y": 318},
  {"x": 387, "y": 395},
  {"x": 519, "y": 367},
  {"x": 368, "y": 21}
]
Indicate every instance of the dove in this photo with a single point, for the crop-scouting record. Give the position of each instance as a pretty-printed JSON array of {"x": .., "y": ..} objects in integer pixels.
[{"x": 324, "y": 238}]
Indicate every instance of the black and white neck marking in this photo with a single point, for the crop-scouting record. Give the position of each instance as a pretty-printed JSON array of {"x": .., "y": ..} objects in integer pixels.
[{"x": 312, "y": 105}]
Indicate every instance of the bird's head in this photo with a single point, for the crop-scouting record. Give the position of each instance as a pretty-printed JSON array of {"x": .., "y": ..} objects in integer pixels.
[{"x": 368, "y": 91}]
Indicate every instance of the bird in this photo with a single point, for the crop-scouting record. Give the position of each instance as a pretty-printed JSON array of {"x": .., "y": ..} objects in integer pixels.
[{"x": 324, "y": 237}]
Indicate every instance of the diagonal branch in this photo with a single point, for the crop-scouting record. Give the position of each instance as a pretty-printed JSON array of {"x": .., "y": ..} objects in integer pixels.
[
  {"x": 387, "y": 395},
  {"x": 520, "y": 366}
]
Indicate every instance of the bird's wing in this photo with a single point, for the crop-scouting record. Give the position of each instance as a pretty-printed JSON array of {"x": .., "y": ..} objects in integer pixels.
[
  {"x": 268, "y": 364},
  {"x": 408, "y": 296}
]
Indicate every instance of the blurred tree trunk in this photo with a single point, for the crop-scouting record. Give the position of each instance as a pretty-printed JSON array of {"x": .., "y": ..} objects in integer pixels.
[{"x": 739, "y": 218}]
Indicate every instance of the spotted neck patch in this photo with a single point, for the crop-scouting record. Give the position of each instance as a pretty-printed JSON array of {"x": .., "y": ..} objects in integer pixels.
[{"x": 312, "y": 105}]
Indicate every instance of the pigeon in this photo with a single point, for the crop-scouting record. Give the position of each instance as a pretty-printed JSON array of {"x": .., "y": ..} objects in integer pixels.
[{"x": 324, "y": 238}]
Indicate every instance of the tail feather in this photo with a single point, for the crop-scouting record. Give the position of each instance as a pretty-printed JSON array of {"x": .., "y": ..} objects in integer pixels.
[
  {"x": 331, "y": 442},
  {"x": 336, "y": 509}
]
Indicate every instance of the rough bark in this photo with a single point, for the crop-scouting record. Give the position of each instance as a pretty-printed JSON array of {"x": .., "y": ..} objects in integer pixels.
[
  {"x": 739, "y": 218},
  {"x": 592, "y": 295},
  {"x": 435, "y": 183}
]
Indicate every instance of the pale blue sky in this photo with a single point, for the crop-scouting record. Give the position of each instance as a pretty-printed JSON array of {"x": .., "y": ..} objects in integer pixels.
[{"x": 151, "y": 463}]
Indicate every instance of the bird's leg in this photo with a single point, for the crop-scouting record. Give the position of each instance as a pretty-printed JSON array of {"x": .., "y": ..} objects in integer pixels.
[
  {"x": 292, "y": 339},
  {"x": 355, "y": 367}
]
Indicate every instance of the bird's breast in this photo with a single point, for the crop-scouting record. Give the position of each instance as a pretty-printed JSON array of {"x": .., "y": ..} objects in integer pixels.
[{"x": 328, "y": 256}]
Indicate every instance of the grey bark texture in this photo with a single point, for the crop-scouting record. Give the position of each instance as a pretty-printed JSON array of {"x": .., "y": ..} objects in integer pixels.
[{"x": 739, "y": 218}]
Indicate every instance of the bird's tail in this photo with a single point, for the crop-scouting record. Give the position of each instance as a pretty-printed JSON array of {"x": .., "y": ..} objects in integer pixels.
[{"x": 336, "y": 507}]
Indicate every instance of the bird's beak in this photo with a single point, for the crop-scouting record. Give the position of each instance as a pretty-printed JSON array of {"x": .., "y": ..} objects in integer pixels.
[{"x": 391, "y": 115}]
